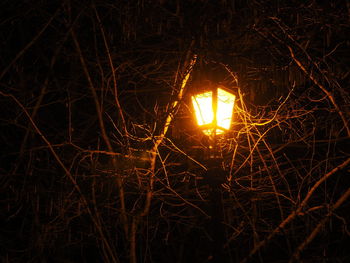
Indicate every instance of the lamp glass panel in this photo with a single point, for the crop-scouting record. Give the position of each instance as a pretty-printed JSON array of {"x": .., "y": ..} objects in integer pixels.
[
  {"x": 203, "y": 106},
  {"x": 225, "y": 105}
]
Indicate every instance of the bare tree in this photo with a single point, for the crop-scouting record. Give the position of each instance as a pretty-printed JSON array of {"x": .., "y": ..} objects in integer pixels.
[{"x": 102, "y": 160}]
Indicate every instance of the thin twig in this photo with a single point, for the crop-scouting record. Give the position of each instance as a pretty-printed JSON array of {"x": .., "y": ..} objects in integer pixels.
[{"x": 296, "y": 212}]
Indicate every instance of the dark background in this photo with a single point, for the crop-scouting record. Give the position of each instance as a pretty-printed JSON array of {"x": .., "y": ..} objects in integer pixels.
[{"x": 89, "y": 174}]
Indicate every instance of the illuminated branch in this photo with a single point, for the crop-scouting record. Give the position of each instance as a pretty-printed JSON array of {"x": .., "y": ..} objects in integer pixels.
[
  {"x": 161, "y": 137},
  {"x": 174, "y": 105},
  {"x": 153, "y": 157}
]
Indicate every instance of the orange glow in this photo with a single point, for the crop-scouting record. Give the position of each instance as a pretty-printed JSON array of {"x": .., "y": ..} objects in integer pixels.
[
  {"x": 226, "y": 102},
  {"x": 204, "y": 105}
]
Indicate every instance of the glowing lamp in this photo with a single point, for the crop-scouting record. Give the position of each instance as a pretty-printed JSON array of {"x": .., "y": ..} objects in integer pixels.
[{"x": 214, "y": 110}]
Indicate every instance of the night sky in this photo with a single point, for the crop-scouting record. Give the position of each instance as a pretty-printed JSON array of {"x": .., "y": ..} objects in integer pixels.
[{"x": 101, "y": 157}]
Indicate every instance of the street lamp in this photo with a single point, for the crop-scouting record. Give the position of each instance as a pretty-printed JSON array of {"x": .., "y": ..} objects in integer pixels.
[{"x": 213, "y": 109}]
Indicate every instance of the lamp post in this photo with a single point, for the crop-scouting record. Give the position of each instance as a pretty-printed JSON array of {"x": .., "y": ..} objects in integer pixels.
[{"x": 214, "y": 110}]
